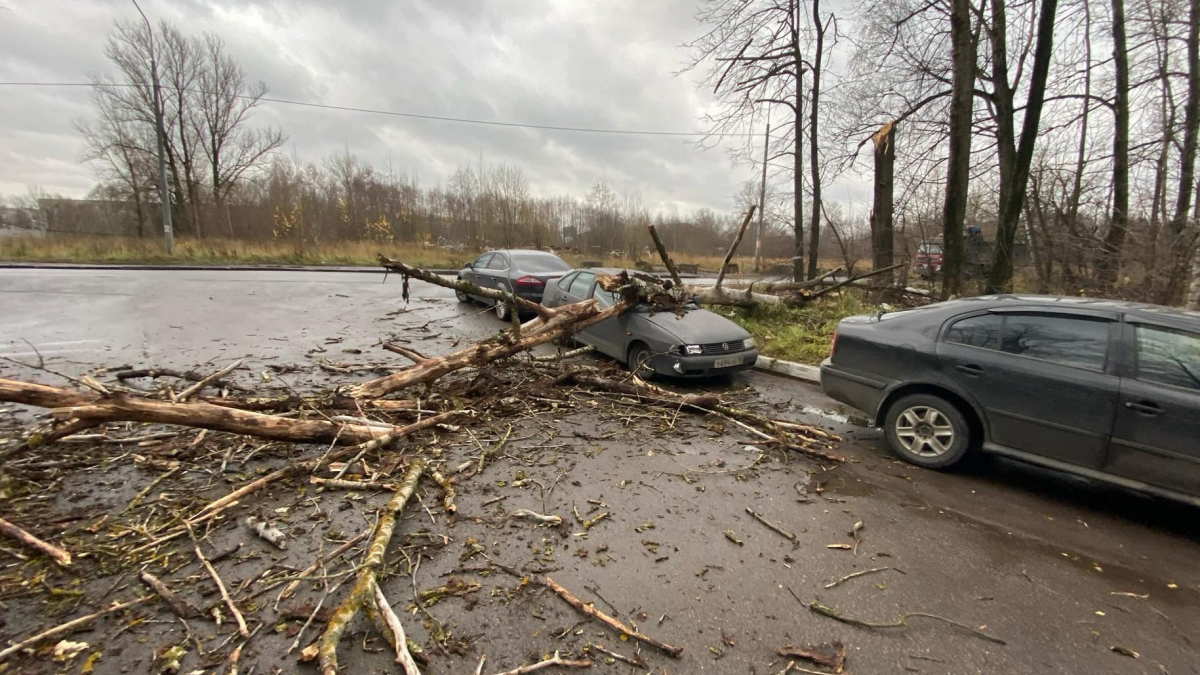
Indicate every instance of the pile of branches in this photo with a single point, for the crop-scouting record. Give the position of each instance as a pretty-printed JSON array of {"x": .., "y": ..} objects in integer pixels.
[{"x": 396, "y": 420}]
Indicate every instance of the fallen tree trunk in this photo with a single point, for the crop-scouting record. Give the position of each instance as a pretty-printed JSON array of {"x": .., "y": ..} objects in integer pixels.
[
  {"x": 551, "y": 324},
  {"x": 803, "y": 438},
  {"x": 88, "y": 406}
]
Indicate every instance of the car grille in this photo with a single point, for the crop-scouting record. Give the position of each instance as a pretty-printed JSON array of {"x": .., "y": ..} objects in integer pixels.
[{"x": 721, "y": 347}]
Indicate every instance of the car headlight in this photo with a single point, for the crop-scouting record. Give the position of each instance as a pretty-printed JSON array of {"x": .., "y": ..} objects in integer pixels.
[
  {"x": 693, "y": 349},
  {"x": 749, "y": 343}
]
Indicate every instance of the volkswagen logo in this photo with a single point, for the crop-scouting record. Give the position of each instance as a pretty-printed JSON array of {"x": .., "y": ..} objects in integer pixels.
[{"x": 724, "y": 346}]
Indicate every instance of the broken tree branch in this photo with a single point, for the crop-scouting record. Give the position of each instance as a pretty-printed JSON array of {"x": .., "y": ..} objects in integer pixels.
[
  {"x": 204, "y": 382},
  {"x": 737, "y": 239},
  {"x": 27, "y": 540},
  {"x": 662, "y": 253},
  {"x": 612, "y": 623},
  {"x": 365, "y": 583},
  {"x": 555, "y": 660},
  {"x": 119, "y": 407},
  {"x": 69, "y": 626},
  {"x": 825, "y": 610}
]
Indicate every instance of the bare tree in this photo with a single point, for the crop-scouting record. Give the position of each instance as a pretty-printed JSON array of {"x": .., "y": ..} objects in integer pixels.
[
  {"x": 1114, "y": 240},
  {"x": 753, "y": 57},
  {"x": 225, "y": 102},
  {"x": 958, "y": 166},
  {"x": 1015, "y": 162}
]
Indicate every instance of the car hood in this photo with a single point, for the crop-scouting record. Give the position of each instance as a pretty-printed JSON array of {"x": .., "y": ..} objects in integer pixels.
[{"x": 697, "y": 326}]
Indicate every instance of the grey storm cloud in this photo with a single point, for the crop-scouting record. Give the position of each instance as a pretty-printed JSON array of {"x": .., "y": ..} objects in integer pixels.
[{"x": 605, "y": 64}]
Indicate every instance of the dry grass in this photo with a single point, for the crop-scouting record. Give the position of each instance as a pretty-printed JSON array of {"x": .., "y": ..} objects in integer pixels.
[{"x": 228, "y": 251}]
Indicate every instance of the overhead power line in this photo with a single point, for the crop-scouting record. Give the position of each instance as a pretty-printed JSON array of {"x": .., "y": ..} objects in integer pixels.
[{"x": 395, "y": 113}]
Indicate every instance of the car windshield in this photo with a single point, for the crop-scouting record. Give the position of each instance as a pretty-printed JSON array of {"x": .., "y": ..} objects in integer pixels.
[{"x": 539, "y": 262}]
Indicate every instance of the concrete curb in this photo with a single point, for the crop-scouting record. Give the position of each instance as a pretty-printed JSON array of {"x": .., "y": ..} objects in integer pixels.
[
  {"x": 165, "y": 267},
  {"x": 799, "y": 371}
]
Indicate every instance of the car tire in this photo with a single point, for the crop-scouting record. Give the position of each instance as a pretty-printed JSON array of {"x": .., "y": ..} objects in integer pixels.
[
  {"x": 927, "y": 430},
  {"x": 462, "y": 297},
  {"x": 502, "y": 311},
  {"x": 638, "y": 361}
]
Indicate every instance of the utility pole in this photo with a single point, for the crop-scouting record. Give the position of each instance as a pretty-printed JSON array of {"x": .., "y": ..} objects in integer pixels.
[
  {"x": 762, "y": 199},
  {"x": 164, "y": 194}
]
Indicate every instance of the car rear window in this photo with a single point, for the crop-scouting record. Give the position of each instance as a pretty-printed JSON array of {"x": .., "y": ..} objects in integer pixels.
[
  {"x": 1168, "y": 356},
  {"x": 539, "y": 263},
  {"x": 582, "y": 284},
  {"x": 1081, "y": 342}
]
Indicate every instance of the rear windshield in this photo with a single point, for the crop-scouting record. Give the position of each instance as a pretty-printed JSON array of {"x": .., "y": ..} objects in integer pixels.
[{"x": 539, "y": 262}]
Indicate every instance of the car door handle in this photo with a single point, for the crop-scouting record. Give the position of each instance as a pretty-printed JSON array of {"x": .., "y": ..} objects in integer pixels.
[
  {"x": 970, "y": 369},
  {"x": 1145, "y": 407}
]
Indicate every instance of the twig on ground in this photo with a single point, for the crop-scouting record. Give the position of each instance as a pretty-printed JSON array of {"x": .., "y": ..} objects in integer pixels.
[
  {"x": 212, "y": 572},
  {"x": 790, "y": 536},
  {"x": 825, "y": 610},
  {"x": 555, "y": 660},
  {"x": 69, "y": 626},
  {"x": 27, "y": 540},
  {"x": 612, "y": 623},
  {"x": 853, "y": 575}
]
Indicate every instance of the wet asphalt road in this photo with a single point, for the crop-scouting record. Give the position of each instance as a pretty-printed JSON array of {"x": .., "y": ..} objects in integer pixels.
[{"x": 1061, "y": 569}]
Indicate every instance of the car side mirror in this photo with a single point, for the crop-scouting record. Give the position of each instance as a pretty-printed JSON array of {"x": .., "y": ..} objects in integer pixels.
[{"x": 470, "y": 265}]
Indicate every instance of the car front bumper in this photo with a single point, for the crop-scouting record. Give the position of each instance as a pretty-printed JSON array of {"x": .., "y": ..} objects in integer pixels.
[{"x": 674, "y": 365}]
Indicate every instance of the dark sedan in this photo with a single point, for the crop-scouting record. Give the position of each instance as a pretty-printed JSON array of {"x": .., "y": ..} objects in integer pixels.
[
  {"x": 1104, "y": 389},
  {"x": 695, "y": 343},
  {"x": 524, "y": 273}
]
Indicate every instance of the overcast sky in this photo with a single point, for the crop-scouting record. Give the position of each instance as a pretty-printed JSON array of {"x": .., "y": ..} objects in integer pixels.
[{"x": 608, "y": 64}]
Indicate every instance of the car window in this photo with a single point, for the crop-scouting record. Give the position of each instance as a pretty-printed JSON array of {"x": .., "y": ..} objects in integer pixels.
[
  {"x": 581, "y": 284},
  {"x": 977, "y": 331},
  {"x": 539, "y": 263},
  {"x": 1168, "y": 356},
  {"x": 498, "y": 262},
  {"x": 604, "y": 298},
  {"x": 1070, "y": 341},
  {"x": 565, "y": 282},
  {"x": 482, "y": 261}
]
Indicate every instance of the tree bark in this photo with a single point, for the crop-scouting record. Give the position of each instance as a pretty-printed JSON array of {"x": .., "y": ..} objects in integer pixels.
[
  {"x": 882, "y": 241},
  {"x": 66, "y": 403},
  {"x": 1114, "y": 239},
  {"x": 1181, "y": 238},
  {"x": 1000, "y": 276},
  {"x": 814, "y": 227},
  {"x": 798, "y": 150},
  {"x": 958, "y": 164}
]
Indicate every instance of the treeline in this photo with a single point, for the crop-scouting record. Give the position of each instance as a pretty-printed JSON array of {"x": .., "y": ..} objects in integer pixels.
[
  {"x": 226, "y": 180},
  {"x": 1070, "y": 125}
]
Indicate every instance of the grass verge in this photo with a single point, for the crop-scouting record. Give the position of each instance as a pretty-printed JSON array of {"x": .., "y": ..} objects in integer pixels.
[
  {"x": 121, "y": 250},
  {"x": 798, "y": 333}
]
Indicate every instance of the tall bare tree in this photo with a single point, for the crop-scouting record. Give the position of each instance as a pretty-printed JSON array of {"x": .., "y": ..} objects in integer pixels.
[
  {"x": 1015, "y": 161},
  {"x": 1183, "y": 238},
  {"x": 1114, "y": 240},
  {"x": 753, "y": 56},
  {"x": 958, "y": 165}
]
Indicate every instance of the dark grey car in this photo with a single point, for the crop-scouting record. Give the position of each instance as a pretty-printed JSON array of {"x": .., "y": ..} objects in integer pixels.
[
  {"x": 522, "y": 272},
  {"x": 1104, "y": 389},
  {"x": 697, "y": 343}
]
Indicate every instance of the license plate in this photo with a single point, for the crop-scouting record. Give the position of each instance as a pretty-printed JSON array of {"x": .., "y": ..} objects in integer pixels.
[{"x": 727, "y": 362}]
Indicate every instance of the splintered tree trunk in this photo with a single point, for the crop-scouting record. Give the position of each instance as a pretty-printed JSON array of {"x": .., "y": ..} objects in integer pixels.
[
  {"x": 882, "y": 252},
  {"x": 958, "y": 165},
  {"x": 1114, "y": 239}
]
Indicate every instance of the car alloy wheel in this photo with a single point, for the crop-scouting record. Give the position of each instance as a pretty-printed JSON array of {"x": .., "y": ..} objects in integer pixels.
[
  {"x": 462, "y": 297},
  {"x": 924, "y": 431},
  {"x": 502, "y": 310}
]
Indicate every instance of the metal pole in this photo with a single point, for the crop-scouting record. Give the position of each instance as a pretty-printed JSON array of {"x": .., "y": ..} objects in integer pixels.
[
  {"x": 762, "y": 199},
  {"x": 164, "y": 194}
]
